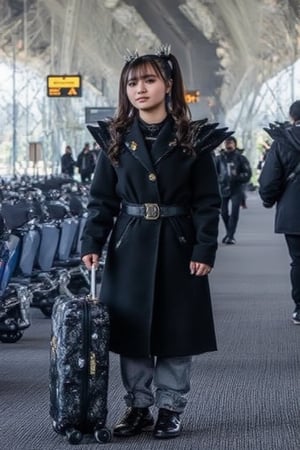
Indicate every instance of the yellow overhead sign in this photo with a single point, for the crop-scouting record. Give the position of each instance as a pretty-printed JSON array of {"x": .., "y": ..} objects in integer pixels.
[{"x": 64, "y": 85}]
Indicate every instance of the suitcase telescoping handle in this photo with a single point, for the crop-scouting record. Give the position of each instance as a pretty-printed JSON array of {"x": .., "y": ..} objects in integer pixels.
[{"x": 93, "y": 283}]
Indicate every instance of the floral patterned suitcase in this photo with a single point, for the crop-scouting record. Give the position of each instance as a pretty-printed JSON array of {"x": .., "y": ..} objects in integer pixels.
[{"x": 79, "y": 361}]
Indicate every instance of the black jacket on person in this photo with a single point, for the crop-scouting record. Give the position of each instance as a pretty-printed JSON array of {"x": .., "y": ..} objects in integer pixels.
[
  {"x": 274, "y": 185},
  {"x": 156, "y": 306},
  {"x": 67, "y": 164},
  {"x": 233, "y": 170},
  {"x": 86, "y": 162}
]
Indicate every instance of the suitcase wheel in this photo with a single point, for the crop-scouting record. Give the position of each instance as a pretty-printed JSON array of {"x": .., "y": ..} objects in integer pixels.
[
  {"x": 74, "y": 436},
  {"x": 57, "y": 428},
  {"x": 103, "y": 435}
]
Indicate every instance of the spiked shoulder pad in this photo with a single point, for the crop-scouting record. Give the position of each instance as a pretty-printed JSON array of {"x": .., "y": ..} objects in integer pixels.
[
  {"x": 100, "y": 133},
  {"x": 207, "y": 136}
]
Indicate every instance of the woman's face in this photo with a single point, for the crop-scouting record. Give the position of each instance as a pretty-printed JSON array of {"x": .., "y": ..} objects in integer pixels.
[{"x": 146, "y": 90}]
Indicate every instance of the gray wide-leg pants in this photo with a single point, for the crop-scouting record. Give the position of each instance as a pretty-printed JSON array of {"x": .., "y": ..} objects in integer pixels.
[{"x": 170, "y": 377}]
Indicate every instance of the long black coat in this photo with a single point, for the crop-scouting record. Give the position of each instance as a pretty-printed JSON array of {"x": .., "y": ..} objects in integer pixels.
[
  {"x": 156, "y": 306},
  {"x": 274, "y": 186}
]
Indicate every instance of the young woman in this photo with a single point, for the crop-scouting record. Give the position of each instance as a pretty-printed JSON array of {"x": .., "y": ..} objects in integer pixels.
[{"x": 155, "y": 193}]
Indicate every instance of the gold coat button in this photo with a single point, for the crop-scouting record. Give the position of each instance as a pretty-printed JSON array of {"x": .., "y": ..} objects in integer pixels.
[{"x": 152, "y": 177}]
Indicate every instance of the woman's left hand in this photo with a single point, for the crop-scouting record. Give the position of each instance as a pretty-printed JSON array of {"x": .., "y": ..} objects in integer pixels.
[{"x": 199, "y": 269}]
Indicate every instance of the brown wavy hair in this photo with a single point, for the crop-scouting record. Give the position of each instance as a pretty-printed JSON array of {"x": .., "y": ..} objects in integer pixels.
[{"x": 167, "y": 68}]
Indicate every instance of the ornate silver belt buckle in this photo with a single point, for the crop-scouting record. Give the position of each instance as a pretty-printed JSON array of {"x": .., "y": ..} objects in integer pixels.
[{"x": 152, "y": 211}]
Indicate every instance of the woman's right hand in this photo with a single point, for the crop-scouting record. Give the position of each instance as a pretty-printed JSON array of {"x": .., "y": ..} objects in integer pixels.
[{"x": 90, "y": 260}]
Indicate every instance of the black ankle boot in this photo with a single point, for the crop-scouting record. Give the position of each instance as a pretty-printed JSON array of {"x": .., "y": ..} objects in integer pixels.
[
  {"x": 168, "y": 424},
  {"x": 135, "y": 421}
]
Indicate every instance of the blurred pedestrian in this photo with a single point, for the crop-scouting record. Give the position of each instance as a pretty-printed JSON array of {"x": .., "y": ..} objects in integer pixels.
[
  {"x": 234, "y": 172},
  {"x": 67, "y": 162},
  {"x": 86, "y": 164},
  {"x": 96, "y": 152},
  {"x": 279, "y": 184}
]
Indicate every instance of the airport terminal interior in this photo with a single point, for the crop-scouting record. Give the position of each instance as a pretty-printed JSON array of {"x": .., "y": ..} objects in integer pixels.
[
  {"x": 60, "y": 62},
  {"x": 236, "y": 55}
]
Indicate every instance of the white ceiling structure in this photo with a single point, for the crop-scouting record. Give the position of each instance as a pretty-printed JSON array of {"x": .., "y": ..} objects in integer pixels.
[{"x": 227, "y": 48}]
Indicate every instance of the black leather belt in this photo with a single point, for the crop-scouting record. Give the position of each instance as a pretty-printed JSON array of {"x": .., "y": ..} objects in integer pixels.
[{"x": 153, "y": 211}]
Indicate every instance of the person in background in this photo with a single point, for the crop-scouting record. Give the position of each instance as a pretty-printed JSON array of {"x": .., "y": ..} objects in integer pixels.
[
  {"x": 86, "y": 163},
  {"x": 96, "y": 152},
  {"x": 155, "y": 193},
  {"x": 244, "y": 188},
  {"x": 266, "y": 147},
  {"x": 279, "y": 183},
  {"x": 234, "y": 172},
  {"x": 67, "y": 162}
]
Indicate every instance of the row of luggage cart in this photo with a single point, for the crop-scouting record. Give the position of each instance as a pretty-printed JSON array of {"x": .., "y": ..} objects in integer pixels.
[{"x": 41, "y": 222}]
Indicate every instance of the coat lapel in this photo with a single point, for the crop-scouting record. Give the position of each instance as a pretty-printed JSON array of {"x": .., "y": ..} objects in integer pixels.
[
  {"x": 135, "y": 143},
  {"x": 165, "y": 142}
]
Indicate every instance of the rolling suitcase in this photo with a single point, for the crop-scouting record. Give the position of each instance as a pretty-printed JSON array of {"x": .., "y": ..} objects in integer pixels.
[
  {"x": 79, "y": 367},
  {"x": 30, "y": 246},
  {"x": 80, "y": 231},
  {"x": 48, "y": 246},
  {"x": 69, "y": 228},
  {"x": 14, "y": 250}
]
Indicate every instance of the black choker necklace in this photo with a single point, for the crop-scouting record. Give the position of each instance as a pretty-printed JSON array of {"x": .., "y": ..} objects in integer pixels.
[{"x": 151, "y": 129}]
